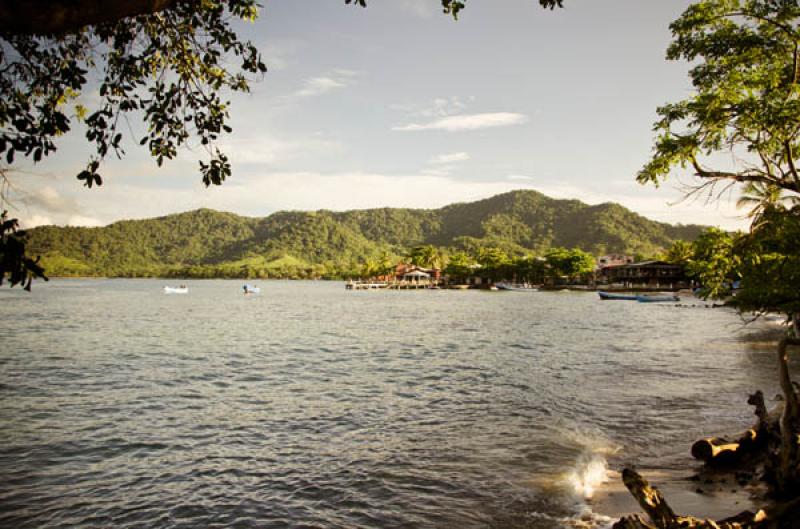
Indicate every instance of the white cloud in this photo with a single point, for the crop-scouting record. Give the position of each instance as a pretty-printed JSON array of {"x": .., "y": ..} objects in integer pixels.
[
  {"x": 452, "y": 157},
  {"x": 438, "y": 170},
  {"x": 32, "y": 221},
  {"x": 316, "y": 86},
  {"x": 340, "y": 191},
  {"x": 279, "y": 54},
  {"x": 664, "y": 204},
  {"x": 80, "y": 220},
  {"x": 439, "y": 107},
  {"x": 268, "y": 150},
  {"x": 47, "y": 205},
  {"x": 265, "y": 194},
  {"x": 468, "y": 122},
  {"x": 434, "y": 187},
  {"x": 48, "y": 199}
]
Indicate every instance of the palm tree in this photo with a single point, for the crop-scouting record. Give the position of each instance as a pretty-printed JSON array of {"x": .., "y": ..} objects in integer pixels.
[
  {"x": 680, "y": 252},
  {"x": 425, "y": 256},
  {"x": 386, "y": 264},
  {"x": 369, "y": 269},
  {"x": 761, "y": 196}
]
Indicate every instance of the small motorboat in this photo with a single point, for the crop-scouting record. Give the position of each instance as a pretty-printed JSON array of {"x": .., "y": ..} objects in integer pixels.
[
  {"x": 251, "y": 289},
  {"x": 516, "y": 288},
  {"x": 612, "y": 296},
  {"x": 657, "y": 298},
  {"x": 176, "y": 290}
]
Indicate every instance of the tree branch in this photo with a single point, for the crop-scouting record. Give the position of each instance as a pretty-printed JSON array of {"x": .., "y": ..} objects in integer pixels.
[
  {"x": 53, "y": 17},
  {"x": 790, "y": 161},
  {"x": 744, "y": 177}
]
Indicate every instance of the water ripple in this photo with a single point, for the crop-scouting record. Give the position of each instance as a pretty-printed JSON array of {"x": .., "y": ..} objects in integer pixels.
[{"x": 312, "y": 407}]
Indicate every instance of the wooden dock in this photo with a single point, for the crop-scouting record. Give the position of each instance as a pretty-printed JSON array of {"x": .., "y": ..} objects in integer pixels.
[{"x": 393, "y": 285}]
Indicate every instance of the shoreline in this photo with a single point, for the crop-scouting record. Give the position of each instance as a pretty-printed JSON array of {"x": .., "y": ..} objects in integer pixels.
[{"x": 714, "y": 496}]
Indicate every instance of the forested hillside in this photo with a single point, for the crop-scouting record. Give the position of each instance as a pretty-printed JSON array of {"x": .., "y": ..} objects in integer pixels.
[{"x": 207, "y": 243}]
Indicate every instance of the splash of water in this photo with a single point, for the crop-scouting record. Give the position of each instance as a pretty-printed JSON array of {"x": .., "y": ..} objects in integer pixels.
[{"x": 591, "y": 471}]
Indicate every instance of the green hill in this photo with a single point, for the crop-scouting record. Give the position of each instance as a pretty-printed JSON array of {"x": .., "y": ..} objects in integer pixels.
[{"x": 208, "y": 243}]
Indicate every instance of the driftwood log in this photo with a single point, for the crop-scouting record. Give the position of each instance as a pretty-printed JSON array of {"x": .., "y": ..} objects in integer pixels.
[
  {"x": 724, "y": 451},
  {"x": 720, "y": 451},
  {"x": 661, "y": 515}
]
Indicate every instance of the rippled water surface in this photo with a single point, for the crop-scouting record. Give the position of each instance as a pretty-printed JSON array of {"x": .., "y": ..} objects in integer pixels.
[{"x": 310, "y": 406}]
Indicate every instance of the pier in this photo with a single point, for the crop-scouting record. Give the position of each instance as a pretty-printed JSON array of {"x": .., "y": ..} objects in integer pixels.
[{"x": 391, "y": 285}]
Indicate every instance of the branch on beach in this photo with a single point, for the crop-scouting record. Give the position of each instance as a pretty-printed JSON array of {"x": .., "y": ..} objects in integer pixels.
[
  {"x": 663, "y": 517},
  {"x": 755, "y": 441}
]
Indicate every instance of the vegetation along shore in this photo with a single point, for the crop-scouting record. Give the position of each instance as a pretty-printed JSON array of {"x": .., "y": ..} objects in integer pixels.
[{"x": 507, "y": 229}]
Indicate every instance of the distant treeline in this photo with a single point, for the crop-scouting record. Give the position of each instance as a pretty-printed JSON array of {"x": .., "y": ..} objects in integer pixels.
[{"x": 323, "y": 244}]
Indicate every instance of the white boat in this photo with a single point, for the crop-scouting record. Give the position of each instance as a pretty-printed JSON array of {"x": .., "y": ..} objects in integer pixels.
[
  {"x": 516, "y": 287},
  {"x": 176, "y": 290},
  {"x": 251, "y": 289}
]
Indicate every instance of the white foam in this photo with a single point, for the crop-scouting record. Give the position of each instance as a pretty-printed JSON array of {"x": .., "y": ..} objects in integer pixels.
[
  {"x": 585, "y": 519},
  {"x": 590, "y": 472}
]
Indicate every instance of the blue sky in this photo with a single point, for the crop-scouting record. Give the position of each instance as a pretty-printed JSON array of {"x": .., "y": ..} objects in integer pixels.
[{"x": 398, "y": 105}]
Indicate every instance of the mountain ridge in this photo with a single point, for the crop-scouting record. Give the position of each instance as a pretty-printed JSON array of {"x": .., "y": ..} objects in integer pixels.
[{"x": 518, "y": 222}]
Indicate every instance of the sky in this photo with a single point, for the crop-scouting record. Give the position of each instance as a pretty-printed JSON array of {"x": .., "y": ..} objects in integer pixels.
[{"x": 398, "y": 105}]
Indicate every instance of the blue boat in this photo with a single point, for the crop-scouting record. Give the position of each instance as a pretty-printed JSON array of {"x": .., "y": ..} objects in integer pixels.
[
  {"x": 655, "y": 299},
  {"x": 610, "y": 296}
]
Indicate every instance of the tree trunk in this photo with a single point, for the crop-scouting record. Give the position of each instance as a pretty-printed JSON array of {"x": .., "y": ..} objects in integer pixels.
[{"x": 787, "y": 477}]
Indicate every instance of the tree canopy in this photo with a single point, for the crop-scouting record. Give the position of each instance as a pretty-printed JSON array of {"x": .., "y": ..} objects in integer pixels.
[
  {"x": 746, "y": 73},
  {"x": 569, "y": 263},
  {"x": 747, "y": 100},
  {"x": 167, "y": 68}
]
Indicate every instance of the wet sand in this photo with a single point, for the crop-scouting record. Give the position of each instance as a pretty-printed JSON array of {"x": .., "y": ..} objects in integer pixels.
[{"x": 713, "y": 497}]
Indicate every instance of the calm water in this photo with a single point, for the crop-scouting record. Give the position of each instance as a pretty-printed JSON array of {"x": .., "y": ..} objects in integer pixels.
[{"x": 309, "y": 406}]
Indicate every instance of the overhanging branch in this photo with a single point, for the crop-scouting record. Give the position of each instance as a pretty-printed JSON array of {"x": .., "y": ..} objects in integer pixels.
[
  {"x": 745, "y": 177},
  {"x": 54, "y": 17}
]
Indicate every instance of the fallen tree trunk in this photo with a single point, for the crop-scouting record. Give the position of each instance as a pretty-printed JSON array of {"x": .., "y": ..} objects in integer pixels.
[
  {"x": 661, "y": 515},
  {"x": 722, "y": 451}
]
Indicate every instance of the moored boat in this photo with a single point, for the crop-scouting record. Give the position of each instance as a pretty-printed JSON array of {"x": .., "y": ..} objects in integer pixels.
[
  {"x": 251, "y": 289},
  {"x": 516, "y": 288},
  {"x": 176, "y": 290},
  {"x": 657, "y": 298},
  {"x": 611, "y": 296}
]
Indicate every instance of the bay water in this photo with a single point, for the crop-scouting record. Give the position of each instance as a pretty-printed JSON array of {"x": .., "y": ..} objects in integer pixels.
[{"x": 311, "y": 406}]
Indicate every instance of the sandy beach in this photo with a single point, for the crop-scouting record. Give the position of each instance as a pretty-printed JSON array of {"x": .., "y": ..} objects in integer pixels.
[{"x": 714, "y": 495}]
